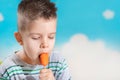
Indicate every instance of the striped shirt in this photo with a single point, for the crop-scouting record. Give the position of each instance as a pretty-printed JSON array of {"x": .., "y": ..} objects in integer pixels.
[{"x": 15, "y": 69}]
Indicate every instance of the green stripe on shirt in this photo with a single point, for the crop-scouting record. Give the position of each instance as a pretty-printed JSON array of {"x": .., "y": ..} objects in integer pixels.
[{"x": 18, "y": 69}]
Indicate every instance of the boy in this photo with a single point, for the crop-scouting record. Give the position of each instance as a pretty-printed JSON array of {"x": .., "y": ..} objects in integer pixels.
[{"x": 36, "y": 34}]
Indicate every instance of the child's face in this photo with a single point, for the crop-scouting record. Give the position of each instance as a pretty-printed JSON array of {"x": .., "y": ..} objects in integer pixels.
[{"x": 39, "y": 37}]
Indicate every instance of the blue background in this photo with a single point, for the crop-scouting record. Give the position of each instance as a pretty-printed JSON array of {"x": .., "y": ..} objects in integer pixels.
[{"x": 74, "y": 16}]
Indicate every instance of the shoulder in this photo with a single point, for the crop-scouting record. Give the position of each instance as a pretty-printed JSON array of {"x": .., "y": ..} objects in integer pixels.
[
  {"x": 58, "y": 60},
  {"x": 7, "y": 63},
  {"x": 56, "y": 56},
  {"x": 59, "y": 64}
]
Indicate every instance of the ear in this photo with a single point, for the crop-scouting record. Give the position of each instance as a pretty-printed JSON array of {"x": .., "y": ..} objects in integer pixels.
[{"x": 18, "y": 38}]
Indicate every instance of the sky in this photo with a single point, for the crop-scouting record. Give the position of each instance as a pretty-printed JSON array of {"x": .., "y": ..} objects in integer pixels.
[{"x": 88, "y": 35}]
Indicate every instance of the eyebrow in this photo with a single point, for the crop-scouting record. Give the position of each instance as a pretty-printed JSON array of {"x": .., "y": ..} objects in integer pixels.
[{"x": 53, "y": 33}]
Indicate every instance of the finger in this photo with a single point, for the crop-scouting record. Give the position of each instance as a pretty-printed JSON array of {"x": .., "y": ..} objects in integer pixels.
[
  {"x": 43, "y": 75},
  {"x": 46, "y": 74},
  {"x": 44, "y": 71},
  {"x": 49, "y": 70},
  {"x": 45, "y": 78}
]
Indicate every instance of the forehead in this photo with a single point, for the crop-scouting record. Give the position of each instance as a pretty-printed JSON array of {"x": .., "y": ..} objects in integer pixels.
[
  {"x": 43, "y": 22},
  {"x": 42, "y": 26}
]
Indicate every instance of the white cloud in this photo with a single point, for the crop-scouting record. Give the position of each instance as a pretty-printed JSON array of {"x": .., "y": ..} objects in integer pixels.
[
  {"x": 1, "y": 17},
  {"x": 108, "y": 14},
  {"x": 90, "y": 60}
]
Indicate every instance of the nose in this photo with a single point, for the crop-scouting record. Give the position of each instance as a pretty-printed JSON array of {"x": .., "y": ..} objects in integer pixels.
[{"x": 44, "y": 43}]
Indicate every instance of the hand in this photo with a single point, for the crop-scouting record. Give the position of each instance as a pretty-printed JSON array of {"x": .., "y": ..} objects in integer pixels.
[{"x": 46, "y": 74}]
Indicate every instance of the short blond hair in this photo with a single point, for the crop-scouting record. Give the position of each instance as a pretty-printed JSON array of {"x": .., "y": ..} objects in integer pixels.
[{"x": 30, "y": 10}]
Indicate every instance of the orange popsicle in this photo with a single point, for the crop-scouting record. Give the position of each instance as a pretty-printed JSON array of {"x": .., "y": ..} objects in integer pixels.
[{"x": 44, "y": 58}]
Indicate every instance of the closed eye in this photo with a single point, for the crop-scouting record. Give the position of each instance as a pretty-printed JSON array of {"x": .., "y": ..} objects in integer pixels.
[
  {"x": 36, "y": 38},
  {"x": 51, "y": 37}
]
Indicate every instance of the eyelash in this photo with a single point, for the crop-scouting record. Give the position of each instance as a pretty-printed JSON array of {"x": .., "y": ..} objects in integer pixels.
[
  {"x": 36, "y": 38},
  {"x": 39, "y": 38},
  {"x": 51, "y": 37}
]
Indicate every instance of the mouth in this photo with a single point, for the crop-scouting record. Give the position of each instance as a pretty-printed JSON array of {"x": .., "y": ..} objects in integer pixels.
[{"x": 42, "y": 53}]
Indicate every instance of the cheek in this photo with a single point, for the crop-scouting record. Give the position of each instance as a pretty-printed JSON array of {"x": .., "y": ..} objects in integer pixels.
[
  {"x": 31, "y": 45},
  {"x": 52, "y": 44}
]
